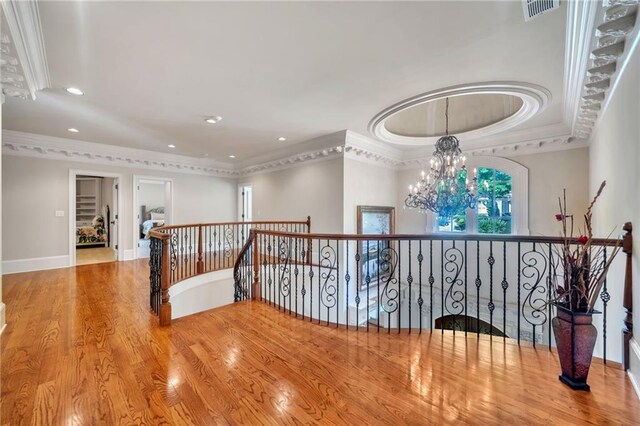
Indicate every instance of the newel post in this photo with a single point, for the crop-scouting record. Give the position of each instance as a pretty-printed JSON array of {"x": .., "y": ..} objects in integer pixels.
[
  {"x": 255, "y": 291},
  {"x": 165, "y": 305},
  {"x": 627, "y": 302},
  {"x": 200, "y": 262}
]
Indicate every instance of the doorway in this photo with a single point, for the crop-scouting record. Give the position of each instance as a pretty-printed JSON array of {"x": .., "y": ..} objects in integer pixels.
[
  {"x": 93, "y": 217},
  {"x": 245, "y": 203},
  {"x": 153, "y": 208}
]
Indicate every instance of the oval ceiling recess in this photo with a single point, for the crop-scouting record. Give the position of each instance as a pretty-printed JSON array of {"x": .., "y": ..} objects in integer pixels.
[{"x": 475, "y": 111}]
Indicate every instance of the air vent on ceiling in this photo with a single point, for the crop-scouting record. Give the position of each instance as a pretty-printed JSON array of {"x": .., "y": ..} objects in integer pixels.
[{"x": 535, "y": 8}]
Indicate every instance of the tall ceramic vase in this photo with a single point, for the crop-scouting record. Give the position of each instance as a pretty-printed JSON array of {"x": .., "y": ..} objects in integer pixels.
[{"x": 575, "y": 339}]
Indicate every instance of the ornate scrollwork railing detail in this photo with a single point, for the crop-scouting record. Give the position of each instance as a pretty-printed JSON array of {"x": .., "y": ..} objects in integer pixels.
[
  {"x": 155, "y": 273},
  {"x": 228, "y": 241},
  {"x": 454, "y": 298},
  {"x": 284, "y": 259},
  {"x": 533, "y": 271},
  {"x": 173, "y": 250},
  {"x": 387, "y": 265},
  {"x": 328, "y": 290}
]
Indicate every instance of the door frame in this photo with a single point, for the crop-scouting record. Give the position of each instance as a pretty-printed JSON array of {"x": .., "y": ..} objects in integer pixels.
[
  {"x": 136, "y": 208},
  {"x": 240, "y": 204},
  {"x": 73, "y": 173}
]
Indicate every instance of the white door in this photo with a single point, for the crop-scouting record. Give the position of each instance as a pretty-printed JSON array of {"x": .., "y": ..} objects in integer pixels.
[{"x": 114, "y": 218}]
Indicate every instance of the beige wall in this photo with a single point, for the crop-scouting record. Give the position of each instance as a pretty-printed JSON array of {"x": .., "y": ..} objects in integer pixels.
[
  {"x": 33, "y": 189},
  {"x": 549, "y": 173},
  {"x": 366, "y": 184},
  {"x": 615, "y": 157},
  {"x": 313, "y": 189}
]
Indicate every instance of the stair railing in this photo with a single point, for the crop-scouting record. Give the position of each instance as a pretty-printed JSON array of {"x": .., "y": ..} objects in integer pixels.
[{"x": 180, "y": 252}]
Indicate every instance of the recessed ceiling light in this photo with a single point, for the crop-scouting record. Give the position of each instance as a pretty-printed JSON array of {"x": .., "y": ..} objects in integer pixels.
[
  {"x": 75, "y": 91},
  {"x": 171, "y": 146},
  {"x": 213, "y": 120},
  {"x": 232, "y": 156},
  {"x": 73, "y": 130},
  {"x": 282, "y": 139}
]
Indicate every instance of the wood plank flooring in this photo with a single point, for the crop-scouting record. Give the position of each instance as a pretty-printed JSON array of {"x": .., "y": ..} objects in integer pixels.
[{"x": 82, "y": 348}]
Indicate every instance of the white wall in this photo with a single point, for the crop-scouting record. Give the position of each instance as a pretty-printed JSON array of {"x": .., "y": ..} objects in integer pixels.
[
  {"x": 2, "y": 306},
  {"x": 549, "y": 173},
  {"x": 151, "y": 195},
  {"x": 615, "y": 156},
  {"x": 313, "y": 189},
  {"x": 33, "y": 189},
  {"x": 366, "y": 184}
]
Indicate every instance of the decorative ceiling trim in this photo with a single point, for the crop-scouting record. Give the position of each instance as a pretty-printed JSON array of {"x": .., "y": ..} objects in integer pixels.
[
  {"x": 535, "y": 98},
  {"x": 48, "y": 147},
  {"x": 536, "y": 146},
  {"x": 345, "y": 144},
  {"x": 581, "y": 22},
  {"x": 608, "y": 38},
  {"x": 322, "y": 154},
  {"x": 24, "y": 62}
]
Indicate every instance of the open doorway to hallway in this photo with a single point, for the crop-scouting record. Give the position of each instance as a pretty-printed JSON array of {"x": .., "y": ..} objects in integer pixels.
[
  {"x": 245, "y": 203},
  {"x": 93, "y": 217},
  {"x": 153, "y": 201}
]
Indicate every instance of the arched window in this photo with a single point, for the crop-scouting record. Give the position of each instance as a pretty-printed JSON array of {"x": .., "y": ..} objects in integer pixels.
[{"x": 502, "y": 206}]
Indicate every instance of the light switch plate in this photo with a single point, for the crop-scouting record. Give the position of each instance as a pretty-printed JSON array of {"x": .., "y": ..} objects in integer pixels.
[{"x": 59, "y": 213}]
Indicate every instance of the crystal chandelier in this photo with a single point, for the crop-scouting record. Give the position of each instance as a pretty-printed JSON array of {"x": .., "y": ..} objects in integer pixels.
[{"x": 446, "y": 190}]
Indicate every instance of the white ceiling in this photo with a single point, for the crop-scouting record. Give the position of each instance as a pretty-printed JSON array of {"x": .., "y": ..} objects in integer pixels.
[{"x": 152, "y": 71}]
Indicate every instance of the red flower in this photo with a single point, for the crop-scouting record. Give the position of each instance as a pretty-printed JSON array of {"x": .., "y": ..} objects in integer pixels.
[
  {"x": 583, "y": 239},
  {"x": 559, "y": 217}
]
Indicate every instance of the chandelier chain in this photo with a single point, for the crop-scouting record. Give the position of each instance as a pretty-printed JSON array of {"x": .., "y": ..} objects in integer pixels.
[{"x": 447, "y": 189}]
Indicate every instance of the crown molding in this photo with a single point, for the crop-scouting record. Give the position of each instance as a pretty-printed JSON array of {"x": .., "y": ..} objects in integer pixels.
[
  {"x": 24, "y": 61},
  {"x": 343, "y": 144},
  {"x": 599, "y": 36},
  {"x": 49, "y": 147},
  {"x": 535, "y": 146},
  {"x": 322, "y": 154},
  {"x": 581, "y": 22}
]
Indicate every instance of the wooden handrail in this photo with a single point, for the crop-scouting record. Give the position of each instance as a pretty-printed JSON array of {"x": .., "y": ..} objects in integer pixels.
[
  {"x": 438, "y": 237},
  {"x": 236, "y": 265},
  {"x": 189, "y": 255},
  {"x": 159, "y": 231}
]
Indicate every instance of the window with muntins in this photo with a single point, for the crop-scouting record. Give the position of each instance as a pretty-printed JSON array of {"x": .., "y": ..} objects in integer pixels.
[{"x": 493, "y": 212}]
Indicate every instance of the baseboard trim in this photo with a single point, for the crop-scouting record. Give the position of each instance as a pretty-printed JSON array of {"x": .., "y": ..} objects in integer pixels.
[
  {"x": 634, "y": 365},
  {"x": 128, "y": 254},
  {"x": 34, "y": 264},
  {"x": 3, "y": 323}
]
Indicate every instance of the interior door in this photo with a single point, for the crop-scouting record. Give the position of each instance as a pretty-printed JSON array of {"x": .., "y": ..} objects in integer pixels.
[{"x": 114, "y": 218}]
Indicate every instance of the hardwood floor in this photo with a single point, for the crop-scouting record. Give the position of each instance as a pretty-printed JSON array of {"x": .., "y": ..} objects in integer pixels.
[{"x": 82, "y": 348}]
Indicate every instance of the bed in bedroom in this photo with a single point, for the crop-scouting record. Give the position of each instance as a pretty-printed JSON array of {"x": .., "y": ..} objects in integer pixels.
[{"x": 149, "y": 219}]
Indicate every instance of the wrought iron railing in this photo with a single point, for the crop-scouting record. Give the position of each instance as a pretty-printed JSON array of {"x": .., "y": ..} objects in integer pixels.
[
  {"x": 179, "y": 252},
  {"x": 493, "y": 284}
]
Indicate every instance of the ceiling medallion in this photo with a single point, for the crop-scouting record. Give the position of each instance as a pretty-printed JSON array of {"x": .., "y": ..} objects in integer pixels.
[{"x": 534, "y": 99}]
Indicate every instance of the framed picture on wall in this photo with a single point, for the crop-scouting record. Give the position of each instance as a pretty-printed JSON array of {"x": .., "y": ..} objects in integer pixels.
[{"x": 377, "y": 256}]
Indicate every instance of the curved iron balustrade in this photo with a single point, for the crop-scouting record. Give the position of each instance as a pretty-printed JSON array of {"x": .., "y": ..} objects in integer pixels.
[{"x": 405, "y": 283}]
